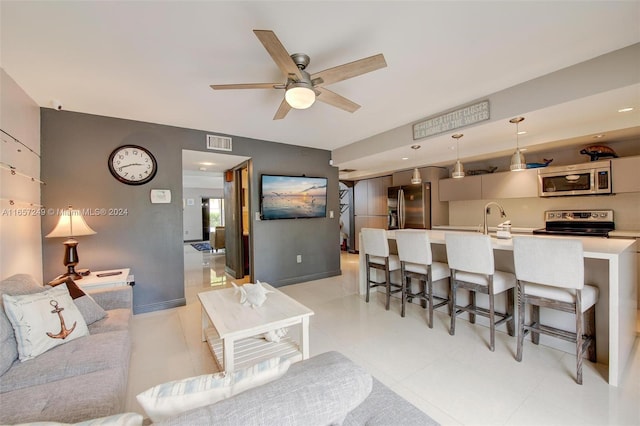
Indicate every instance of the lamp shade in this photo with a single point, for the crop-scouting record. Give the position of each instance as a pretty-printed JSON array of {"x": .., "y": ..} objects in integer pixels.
[
  {"x": 518, "y": 162},
  {"x": 70, "y": 224},
  {"x": 416, "y": 178},
  {"x": 458, "y": 170},
  {"x": 300, "y": 96}
]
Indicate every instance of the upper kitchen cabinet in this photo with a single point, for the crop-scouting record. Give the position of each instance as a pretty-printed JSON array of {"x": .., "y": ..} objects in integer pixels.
[
  {"x": 467, "y": 188},
  {"x": 522, "y": 184},
  {"x": 489, "y": 186},
  {"x": 625, "y": 174}
]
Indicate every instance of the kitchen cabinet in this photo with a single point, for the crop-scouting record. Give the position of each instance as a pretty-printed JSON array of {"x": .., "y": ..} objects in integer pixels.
[
  {"x": 625, "y": 174},
  {"x": 467, "y": 188},
  {"x": 370, "y": 204},
  {"x": 520, "y": 184},
  {"x": 490, "y": 186},
  {"x": 370, "y": 196}
]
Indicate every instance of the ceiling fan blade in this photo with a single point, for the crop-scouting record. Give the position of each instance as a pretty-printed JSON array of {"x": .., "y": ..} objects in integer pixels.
[
  {"x": 283, "y": 109},
  {"x": 350, "y": 70},
  {"x": 332, "y": 98},
  {"x": 246, "y": 86},
  {"x": 278, "y": 53}
]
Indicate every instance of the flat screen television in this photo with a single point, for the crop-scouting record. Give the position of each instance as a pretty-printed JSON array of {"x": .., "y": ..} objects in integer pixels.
[{"x": 292, "y": 197}]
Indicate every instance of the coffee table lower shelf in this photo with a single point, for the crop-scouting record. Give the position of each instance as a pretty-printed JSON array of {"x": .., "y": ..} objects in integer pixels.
[{"x": 252, "y": 350}]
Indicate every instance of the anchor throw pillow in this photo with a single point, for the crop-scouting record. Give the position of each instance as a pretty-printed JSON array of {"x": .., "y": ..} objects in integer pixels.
[
  {"x": 44, "y": 320},
  {"x": 89, "y": 308}
]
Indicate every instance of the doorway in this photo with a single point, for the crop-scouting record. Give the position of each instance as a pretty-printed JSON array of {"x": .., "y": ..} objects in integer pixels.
[{"x": 212, "y": 216}]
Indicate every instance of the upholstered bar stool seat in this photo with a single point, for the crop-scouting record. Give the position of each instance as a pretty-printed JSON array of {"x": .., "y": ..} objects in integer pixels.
[
  {"x": 470, "y": 258},
  {"x": 377, "y": 256},
  {"x": 416, "y": 261},
  {"x": 550, "y": 274}
]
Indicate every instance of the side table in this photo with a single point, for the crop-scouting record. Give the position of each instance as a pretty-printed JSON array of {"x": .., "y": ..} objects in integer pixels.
[{"x": 106, "y": 279}]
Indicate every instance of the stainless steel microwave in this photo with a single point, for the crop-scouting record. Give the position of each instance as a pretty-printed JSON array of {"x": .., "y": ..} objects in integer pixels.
[{"x": 592, "y": 178}]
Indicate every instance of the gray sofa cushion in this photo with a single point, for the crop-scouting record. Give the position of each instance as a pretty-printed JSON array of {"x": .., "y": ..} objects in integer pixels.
[
  {"x": 384, "y": 407},
  {"x": 81, "y": 356},
  {"x": 318, "y": 391},
  {"x": 13, "y": 286},
  {"x": 116, "y": 320},
  {"x": 88, "y": 396}
]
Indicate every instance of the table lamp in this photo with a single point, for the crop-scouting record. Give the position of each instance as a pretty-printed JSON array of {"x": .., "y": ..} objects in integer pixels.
[{"x": 71, "y": 224}]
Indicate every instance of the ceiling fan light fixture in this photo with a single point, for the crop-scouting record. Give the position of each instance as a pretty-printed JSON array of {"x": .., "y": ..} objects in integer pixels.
[{"x": 300, "y": 95}]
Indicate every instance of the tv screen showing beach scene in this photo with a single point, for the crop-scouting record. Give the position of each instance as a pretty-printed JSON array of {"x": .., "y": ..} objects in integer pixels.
[{"x": 293, "y": 197}]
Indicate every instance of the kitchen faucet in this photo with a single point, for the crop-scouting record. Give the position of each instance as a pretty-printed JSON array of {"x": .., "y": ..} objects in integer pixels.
[{"x": 487, "y": 210}]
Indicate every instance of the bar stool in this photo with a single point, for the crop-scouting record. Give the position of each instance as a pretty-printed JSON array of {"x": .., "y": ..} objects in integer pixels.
[
  {"x": 416, "y": 261},
  {"x": 470, "y": 258},
  {"x": 376, "y": 249},
  {"x": 550, "y": 274}
]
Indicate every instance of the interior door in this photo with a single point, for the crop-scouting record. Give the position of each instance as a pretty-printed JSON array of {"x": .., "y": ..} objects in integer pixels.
[{"x": 237, "y": 224}]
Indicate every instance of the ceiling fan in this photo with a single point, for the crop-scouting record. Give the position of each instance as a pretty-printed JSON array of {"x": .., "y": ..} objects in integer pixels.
[{"x": 302, "y": 88}]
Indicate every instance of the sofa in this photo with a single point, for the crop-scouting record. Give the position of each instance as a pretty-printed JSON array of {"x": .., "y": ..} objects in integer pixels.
[
  {"x": 81, "y": 379},
  {"x": 326, "y": 389}
]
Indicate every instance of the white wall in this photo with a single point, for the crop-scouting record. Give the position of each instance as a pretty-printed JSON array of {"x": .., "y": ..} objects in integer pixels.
[
  {"x": 192, "y": 214},
  {"x": 20, "y": 228}
]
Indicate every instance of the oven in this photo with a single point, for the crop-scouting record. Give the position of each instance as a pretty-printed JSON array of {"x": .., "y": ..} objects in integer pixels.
[{"x": 583, "y": 223}]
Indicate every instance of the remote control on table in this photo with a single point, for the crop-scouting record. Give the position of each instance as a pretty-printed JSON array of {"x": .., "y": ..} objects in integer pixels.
[{"x": 108, "y": 274}]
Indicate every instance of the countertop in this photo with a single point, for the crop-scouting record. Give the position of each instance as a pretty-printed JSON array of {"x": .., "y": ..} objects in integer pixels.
[
  {"x": 618, "y": 233},
  {"x": 595, "y": 248}
]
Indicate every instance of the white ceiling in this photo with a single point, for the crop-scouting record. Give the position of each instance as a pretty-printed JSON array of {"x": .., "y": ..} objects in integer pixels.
[{"x": 154, "y": 61}]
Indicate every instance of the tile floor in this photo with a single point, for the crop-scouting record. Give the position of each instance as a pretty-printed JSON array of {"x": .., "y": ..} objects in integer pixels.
[{"x": 454, "y": 379}]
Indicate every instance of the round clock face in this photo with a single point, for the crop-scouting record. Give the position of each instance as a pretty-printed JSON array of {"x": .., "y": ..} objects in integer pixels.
[{"x": 132, "y": 164}]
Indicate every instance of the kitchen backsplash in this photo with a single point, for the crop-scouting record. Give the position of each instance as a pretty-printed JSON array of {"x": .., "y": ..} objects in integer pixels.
[{"x": 529, "y": 212}]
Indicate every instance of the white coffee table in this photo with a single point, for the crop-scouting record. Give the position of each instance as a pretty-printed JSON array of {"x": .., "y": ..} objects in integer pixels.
[{"x": 233, "y": 330}]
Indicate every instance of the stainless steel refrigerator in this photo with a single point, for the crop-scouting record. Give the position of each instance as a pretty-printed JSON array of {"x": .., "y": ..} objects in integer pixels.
[{"x": 409, "y": 206}]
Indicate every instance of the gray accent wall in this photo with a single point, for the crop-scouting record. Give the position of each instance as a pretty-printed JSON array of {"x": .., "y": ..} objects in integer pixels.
[{"x": 149, "y": 237}]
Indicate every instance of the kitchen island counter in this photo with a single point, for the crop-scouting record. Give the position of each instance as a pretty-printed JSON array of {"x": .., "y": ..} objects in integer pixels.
[{"x": 610, "y": 264}]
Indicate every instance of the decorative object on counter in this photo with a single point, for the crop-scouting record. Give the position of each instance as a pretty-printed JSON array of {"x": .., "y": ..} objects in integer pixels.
[
  {"x": 596, "y": 152},
  {"x": 487, "y": 210},
  {"x": 416, "y": 179},
  {"x": 253, "y": 295},
  {"x": 71, "y": 224},
  {"x": 518, "y": 162},
  {"x": 490, "y": 169},
  {"x": 458, "y": 170},
  {"x": 504, "y": 230},
  {"x": 544, "y": 163}
]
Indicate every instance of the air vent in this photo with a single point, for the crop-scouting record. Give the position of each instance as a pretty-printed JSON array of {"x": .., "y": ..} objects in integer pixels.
[{"x": 219, "y": 143}]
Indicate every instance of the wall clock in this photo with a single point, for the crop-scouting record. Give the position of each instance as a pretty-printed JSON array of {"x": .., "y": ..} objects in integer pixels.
[{"x": 132, "y": 164}]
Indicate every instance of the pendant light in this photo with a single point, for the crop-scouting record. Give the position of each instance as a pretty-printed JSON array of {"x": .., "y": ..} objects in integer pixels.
[
  {"x": 518, "y": 162},
  {"x": 416, "y": 179},
  {"x": 458, "y": 170}
]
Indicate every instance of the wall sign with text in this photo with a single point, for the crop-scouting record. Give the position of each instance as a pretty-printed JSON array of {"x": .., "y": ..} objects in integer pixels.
[{"x": 452, "y": 120}]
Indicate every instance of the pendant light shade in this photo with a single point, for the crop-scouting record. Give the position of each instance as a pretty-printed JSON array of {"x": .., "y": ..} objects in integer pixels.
[
  {"x": 458, "y": 169},
  {"x": 416, "y": 178},
  {"x": 518, "y": 162}
]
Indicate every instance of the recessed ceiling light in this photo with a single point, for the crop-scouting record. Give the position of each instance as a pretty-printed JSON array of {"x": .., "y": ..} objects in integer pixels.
[
  {"x": 206, "y": 164},
  {"x": 405, "y": 158},
  {"x": 626, "y": 109},
  {"x": 522, "y": 132}
]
